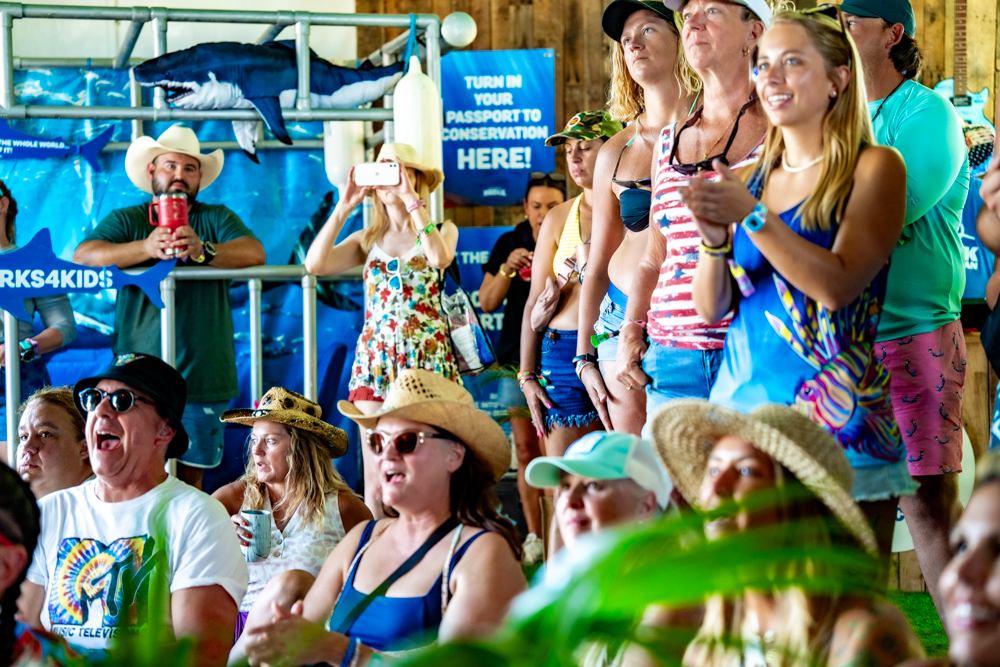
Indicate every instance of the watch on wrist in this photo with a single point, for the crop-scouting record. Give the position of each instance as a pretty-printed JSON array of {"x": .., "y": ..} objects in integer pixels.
[
  {"x": 29, "y": 349},
  {"x": 208, "y": 252},
  {"x": 756, "y": 219}
]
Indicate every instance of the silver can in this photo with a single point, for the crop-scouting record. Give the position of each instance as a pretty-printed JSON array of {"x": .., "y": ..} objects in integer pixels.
[{"x": 259, "y": 527}]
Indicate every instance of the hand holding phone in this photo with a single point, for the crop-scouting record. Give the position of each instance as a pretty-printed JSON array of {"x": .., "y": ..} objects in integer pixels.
[{"x": 372, "y": 174}]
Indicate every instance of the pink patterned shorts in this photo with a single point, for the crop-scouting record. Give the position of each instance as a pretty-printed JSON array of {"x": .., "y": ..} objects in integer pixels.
[{"x": 927, "y": 380}]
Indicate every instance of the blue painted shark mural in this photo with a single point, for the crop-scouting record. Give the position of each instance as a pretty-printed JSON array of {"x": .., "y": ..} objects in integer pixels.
[{"x": 230, "y": 75}]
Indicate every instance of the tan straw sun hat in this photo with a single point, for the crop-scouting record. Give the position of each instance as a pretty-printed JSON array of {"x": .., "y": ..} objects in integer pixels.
[
  {"x": 686, "y": 430},
  {"x": 176, "y": 139},
  {"x": 287, "y": 407},
  {"x": 407, "y": 154},
  {"x": 432, "y": 399}
]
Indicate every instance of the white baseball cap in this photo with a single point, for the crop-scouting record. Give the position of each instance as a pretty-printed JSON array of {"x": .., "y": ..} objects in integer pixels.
[
  {"x": 758, "y": 7},
  {"x": 602, "y": 455}
]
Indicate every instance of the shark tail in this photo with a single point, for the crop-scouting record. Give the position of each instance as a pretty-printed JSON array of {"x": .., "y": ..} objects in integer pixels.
[
  {"x": 148, "y": 281},
  {"x": 90, "y": 149}
]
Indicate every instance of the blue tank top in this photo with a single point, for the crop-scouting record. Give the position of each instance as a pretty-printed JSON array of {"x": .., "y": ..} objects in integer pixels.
[
  {"x": 783, "y": 347},
  {"x": 391, "y": 623}
]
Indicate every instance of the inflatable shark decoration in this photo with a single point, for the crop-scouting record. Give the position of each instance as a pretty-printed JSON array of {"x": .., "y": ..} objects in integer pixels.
[
  {"x": 15, "y": 145},
  {"x": 34, "y": 271},
  {"x": 230, "y": 75}
]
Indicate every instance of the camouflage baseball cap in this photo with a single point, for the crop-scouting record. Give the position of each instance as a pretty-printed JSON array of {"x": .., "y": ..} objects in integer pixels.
[{"x": 585, "y": 126}]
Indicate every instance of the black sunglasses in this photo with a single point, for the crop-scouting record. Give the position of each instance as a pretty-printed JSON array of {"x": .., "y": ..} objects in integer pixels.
[
  {"x": 542, "y": 176},
  {"x": 122, "y": 400},
  {"x": 406, "y": 443},
  {"x": 706, "y": 164}
]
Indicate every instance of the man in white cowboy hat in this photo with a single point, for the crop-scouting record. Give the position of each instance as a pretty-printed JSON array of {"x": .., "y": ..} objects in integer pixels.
[{"x": 214, "y": 236}]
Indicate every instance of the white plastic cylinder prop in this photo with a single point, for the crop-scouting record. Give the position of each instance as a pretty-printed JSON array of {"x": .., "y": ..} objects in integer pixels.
[
  {"x": 343, "y": 147},
  {"x": 416, "y": 114}
]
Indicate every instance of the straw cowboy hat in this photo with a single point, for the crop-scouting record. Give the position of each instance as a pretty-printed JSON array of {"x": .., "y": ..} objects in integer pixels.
[
  {"x": 407, "y": 154},
  {"x": 291, "y": 409},
  {"x": 686, "y": 430},
  {"x": 176, "y": 139},
  {"x": 426, "y": 397}
]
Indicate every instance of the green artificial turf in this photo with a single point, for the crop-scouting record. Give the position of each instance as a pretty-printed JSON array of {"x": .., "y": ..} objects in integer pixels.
[{"x": 924, "y": 619}]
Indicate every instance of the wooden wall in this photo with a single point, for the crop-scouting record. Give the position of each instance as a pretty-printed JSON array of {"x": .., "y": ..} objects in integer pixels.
[{"x": 573, "y": 29}]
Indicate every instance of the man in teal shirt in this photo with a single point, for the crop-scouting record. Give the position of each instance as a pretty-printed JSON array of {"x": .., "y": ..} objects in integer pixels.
[{"x": 920, "y": 340}]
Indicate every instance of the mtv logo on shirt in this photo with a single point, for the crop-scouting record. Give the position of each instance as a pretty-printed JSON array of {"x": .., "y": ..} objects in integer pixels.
[{"x": 99, "y": 587}]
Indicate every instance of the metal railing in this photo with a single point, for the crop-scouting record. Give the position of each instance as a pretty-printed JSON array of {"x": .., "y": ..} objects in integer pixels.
[
  {"x": 303, "y": 112},
  {"x": 254, "y": 276}
]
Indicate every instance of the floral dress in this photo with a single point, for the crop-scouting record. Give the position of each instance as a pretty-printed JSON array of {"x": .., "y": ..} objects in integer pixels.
[{"x": 404, "y": 324}]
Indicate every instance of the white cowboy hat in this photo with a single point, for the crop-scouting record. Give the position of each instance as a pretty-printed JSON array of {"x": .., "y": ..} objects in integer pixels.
[{"x": 176, "y": 139}]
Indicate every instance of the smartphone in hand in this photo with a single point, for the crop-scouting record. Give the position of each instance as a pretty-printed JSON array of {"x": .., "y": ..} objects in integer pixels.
[{"x": 376, "y": 173}]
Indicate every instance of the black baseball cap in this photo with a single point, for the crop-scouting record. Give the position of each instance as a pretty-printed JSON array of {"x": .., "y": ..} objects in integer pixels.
[
  {"x": 893, "y": 11},
  {"x": 615, "y": 15},
  {"x": 153, "y": 376}
]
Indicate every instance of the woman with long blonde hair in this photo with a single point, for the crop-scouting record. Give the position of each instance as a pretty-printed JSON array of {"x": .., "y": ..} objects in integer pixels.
[
  {"x": 289, "y": 476},
  {"x": 651, "y": 87},
  {"x": 403, "y": 254},
  {"x": 802, "y": 248}
]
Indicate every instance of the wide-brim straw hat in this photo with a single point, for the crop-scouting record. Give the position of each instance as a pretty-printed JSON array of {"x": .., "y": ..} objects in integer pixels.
[
  {"x": 287, "y": 407},
  {"x": 432, "y": 399},
  {"x": 176, "y": 139},
  {"x": 685, "y": 431},
  {"x": 407, "y": 154}
]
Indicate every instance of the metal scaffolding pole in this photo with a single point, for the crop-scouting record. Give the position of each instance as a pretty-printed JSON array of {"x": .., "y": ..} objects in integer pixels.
[
  {"x": 159, "y": 48},
  {"x": 255, "y": 286},
  {"x": 12, "y": 359},
  {"x": 6, "y": 58},
  {"x": 172, "y": 113},
  {"x": 131, "y": 37},
  {"x": 311, "y": 388},
  {"x": 434, "y": 72}
]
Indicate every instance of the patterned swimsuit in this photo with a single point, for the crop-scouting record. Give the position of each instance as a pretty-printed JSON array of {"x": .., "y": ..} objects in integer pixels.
[{"x": 404, "y": 326}]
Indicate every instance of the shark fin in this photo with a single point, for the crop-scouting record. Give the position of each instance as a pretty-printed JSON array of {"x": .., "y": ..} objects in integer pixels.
[
  {"x": 246, "y": 137},
  {"x": 269, "y": 109},
  {"x": 92, "y": 148},
  {"x": 40, "y": 245},
  {"x": 148, "y": 281}
]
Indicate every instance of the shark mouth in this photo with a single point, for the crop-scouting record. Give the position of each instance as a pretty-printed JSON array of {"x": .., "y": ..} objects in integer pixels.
[{"x": 175, "y": 91}]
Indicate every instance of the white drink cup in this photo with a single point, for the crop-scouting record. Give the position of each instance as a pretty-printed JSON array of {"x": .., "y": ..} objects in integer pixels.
[{"x": 259, "y": 527}]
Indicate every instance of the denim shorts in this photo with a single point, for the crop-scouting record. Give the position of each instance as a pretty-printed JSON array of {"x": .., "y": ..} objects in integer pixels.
[
  {"x": 205, "y": 432},
  {"x": 571, "y": 404},
  {"x": 610, "y": 321},
  {"x": 509, "y": 394},
  {"x": 677, "y": 373}
]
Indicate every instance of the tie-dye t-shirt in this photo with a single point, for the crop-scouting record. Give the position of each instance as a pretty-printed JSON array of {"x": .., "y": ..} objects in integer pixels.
[
  {"x": 108, "y": 568},
  {"x": 783, "y": 347}
]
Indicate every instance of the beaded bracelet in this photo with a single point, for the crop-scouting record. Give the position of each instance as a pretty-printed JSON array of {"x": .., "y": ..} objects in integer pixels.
[
  {"x": 526, "y": 376},
  {"x": 717, "y": 253}
]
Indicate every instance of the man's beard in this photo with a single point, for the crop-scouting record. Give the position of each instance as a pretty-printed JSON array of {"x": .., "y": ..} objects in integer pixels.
[{"x": 161, "y": 187}]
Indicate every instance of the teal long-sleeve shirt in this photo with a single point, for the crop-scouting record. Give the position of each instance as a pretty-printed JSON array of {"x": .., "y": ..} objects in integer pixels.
[{"x": 927, "y": 273}]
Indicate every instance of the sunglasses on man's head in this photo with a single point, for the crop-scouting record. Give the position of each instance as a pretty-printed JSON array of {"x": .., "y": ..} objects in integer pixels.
[
  {"x": 406, "y": 443},
  {"x": 122, "y": 400}
]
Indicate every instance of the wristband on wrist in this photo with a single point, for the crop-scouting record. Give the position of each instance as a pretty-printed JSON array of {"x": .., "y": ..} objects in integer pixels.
[
  {"x": 352, "y": 647},
  {"x": 641, "y": 323},
  {"x": 29, "y": 349},
  {"x": 581, "y": 360},
  {"x": 756, "y": 219},
  {"x": 421, "y": 233},
  {"x": 717, "y": 253},
  {"x": 410, "y": 208},
  {"x": 524, "y": 377}
]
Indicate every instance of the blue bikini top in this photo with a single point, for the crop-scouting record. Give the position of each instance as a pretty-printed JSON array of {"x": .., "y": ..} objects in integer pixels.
[
  {"x": 635, "y": 200},
  {"x": 394, "y": 623}
]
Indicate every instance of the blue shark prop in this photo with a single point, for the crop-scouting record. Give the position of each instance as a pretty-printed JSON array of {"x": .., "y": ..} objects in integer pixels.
[
  {"x": 14, "y": 144},
  {"x": 34, "y": 271},
  {"x": 230, "y": 75}
]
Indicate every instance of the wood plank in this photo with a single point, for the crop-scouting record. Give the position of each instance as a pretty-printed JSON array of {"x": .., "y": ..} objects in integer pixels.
[
  {"x": 574, "y": 44},
  {"x": 910, "y": 578},
  {"x": 949, "y": 41},
  {"x": 369, "y": 39},
  {"x": 933, "y": 44},
  {"x": 482, "y": 216},
  {"x": 918, "y": 13},
  {"x": 977, "y": 409},
  {"x": 500, "y": 15},
  {"x": 893, "y": 576},
  {"x": 982, "y": 36}
]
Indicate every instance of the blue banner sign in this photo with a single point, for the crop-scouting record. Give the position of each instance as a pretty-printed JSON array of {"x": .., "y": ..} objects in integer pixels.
[
  {"x": 499, "y": 107},
  {"x": 34, "y": 271},
  {"x": 14, "y": 145}
]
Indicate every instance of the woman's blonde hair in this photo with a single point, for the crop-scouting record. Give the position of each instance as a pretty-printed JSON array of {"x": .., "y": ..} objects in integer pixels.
[
  {"x": 625, "y": 97},
  {"x": 61, "y": 397},
  {"x": 846, "y": 126},
  {"x": 804, "y": 620},
  {"x": 310, "y": 478},
  {"x": 380, "y": 219}
]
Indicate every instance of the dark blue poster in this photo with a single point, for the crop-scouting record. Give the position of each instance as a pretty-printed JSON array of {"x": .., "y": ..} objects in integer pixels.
[{"x": 499, "y": 107}]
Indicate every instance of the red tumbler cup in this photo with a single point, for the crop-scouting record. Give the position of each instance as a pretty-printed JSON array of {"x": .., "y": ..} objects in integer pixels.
[
  {"x": 171, "y": 212},
  {"x": 525, "y": 273}
]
